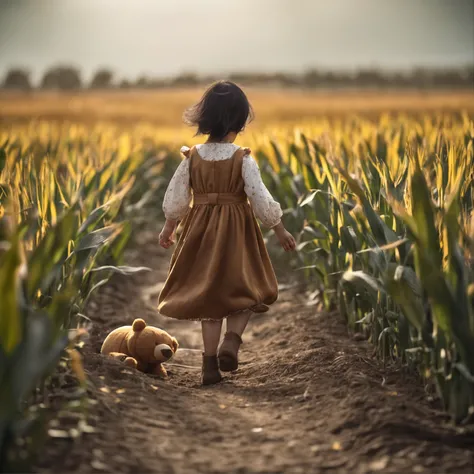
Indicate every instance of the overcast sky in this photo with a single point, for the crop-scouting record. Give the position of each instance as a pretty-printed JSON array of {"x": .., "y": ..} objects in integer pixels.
[{"x": 166, "y": 37}]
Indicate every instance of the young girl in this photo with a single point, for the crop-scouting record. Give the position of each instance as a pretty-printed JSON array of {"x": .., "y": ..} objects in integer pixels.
[{"x": 220, "y": 268}]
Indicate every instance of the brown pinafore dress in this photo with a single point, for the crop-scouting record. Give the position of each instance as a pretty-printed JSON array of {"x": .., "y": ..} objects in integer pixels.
[{"x": 220, "y": 265}]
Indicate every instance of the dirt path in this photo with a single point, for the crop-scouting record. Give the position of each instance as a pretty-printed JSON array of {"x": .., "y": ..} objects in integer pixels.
[{"x": 307, "y": 398}]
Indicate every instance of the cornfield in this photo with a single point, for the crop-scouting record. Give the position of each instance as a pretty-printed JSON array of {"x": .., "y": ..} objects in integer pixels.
[
  {"x": 383, "y": 212},
  {"x": 68, "y": 201}
]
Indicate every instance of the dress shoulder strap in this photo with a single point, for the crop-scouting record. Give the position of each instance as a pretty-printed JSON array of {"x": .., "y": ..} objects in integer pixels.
[
  {"x": 239, "y": 156},
  {"x": 186, "y": 151},
  {"x": 189, "y": 153}
]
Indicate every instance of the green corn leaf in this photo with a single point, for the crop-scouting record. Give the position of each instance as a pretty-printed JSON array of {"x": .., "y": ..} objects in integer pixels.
[
  {"x": 443, "y": 301},
  {"x": 464, "y": 371},
  {"x": 316, "y": 230},
  {"x": 11, "y": 324},
  {"x": 405, "y": 289},
  {"x": 3, "y": 159},
  {"x": 121, "y": 241},
  {"x": 122, "y": 270},
  {"x": 276, "y": 151},
  {"x": 308, "y": 199},
  {"x": 367, "y": 319},
  {"x": 91, "y": 291},
  {"x": 39, "y": 353},
  {"x": 382, "y": 233},
  {"x": 97, "y": 238},
  {"x": 359, "y": 281},
  {"x": 93, "y": 218},
  {"x": 51, "y": 251},
  {"x": 304, "y": 244},
  {"x": 349, "y": 239},
  {"x": 424, "y": 217}
]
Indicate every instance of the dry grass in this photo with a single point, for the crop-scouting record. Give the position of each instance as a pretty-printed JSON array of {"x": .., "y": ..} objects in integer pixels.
[{"x": 164, "y": 108}]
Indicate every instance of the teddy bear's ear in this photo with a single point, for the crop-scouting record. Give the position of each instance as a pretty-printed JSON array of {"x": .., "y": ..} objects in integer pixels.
[{"x": 138, "y": 325}]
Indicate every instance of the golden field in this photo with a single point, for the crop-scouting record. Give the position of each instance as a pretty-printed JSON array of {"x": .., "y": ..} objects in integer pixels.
[
  {"x": 157, "y": 114},
  {"x": 164, "y": 107}
]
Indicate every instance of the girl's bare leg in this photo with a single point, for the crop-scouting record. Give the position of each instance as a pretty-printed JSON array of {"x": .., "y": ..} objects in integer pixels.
[
  {"x": 238, "y": 322},
  {"x": 211, "y": 334}
]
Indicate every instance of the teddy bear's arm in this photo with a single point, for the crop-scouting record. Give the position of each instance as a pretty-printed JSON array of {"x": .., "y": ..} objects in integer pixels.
[
  {"x": 159, "y": 370},
  {"x": 127, "y": 360}
]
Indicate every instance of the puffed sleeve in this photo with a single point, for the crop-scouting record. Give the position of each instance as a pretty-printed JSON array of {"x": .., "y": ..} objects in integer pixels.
[
  {"x": 265, "y": 207},
  {"x": 178, "y": 194}
]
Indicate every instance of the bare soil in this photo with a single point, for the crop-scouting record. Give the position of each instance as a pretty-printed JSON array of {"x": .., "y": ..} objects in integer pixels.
[{"x": 307, "y": 398}]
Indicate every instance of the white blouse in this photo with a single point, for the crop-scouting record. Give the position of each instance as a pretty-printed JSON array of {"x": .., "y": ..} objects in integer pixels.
[{"x": 178, "y": 194}]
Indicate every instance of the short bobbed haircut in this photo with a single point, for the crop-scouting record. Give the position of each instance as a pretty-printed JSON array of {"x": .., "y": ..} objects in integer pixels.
[{"x": 224, "y": 108}]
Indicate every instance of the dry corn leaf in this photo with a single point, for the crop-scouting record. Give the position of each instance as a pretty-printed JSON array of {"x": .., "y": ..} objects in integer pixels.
[
  {"x": 76, "y": 365},
  {"x": 99, "y": 465},
  {"x": 75, "y": 334},
  {"x": 336, "y": 446},
  {"x": 98, "y": 453},
  {"x": 379, "y": 464},
  {"x": 58, "y": 433},
  {"x": 85, "y": 428}
]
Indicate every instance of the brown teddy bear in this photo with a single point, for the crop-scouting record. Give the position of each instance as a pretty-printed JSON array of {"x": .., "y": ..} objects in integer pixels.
[{"x": 140, "y": 346}]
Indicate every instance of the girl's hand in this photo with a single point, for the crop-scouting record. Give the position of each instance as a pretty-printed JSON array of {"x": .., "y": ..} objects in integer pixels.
[
  {"x": 166, "y": 235},
  {"x": 287, "y": 241}
]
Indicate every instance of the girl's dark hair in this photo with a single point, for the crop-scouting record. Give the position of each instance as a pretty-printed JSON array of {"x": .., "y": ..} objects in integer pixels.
[{"x": 223, "y": 108}]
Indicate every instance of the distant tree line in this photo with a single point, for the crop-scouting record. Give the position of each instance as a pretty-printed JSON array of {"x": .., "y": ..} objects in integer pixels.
[{"x": 69, "y": 78}]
